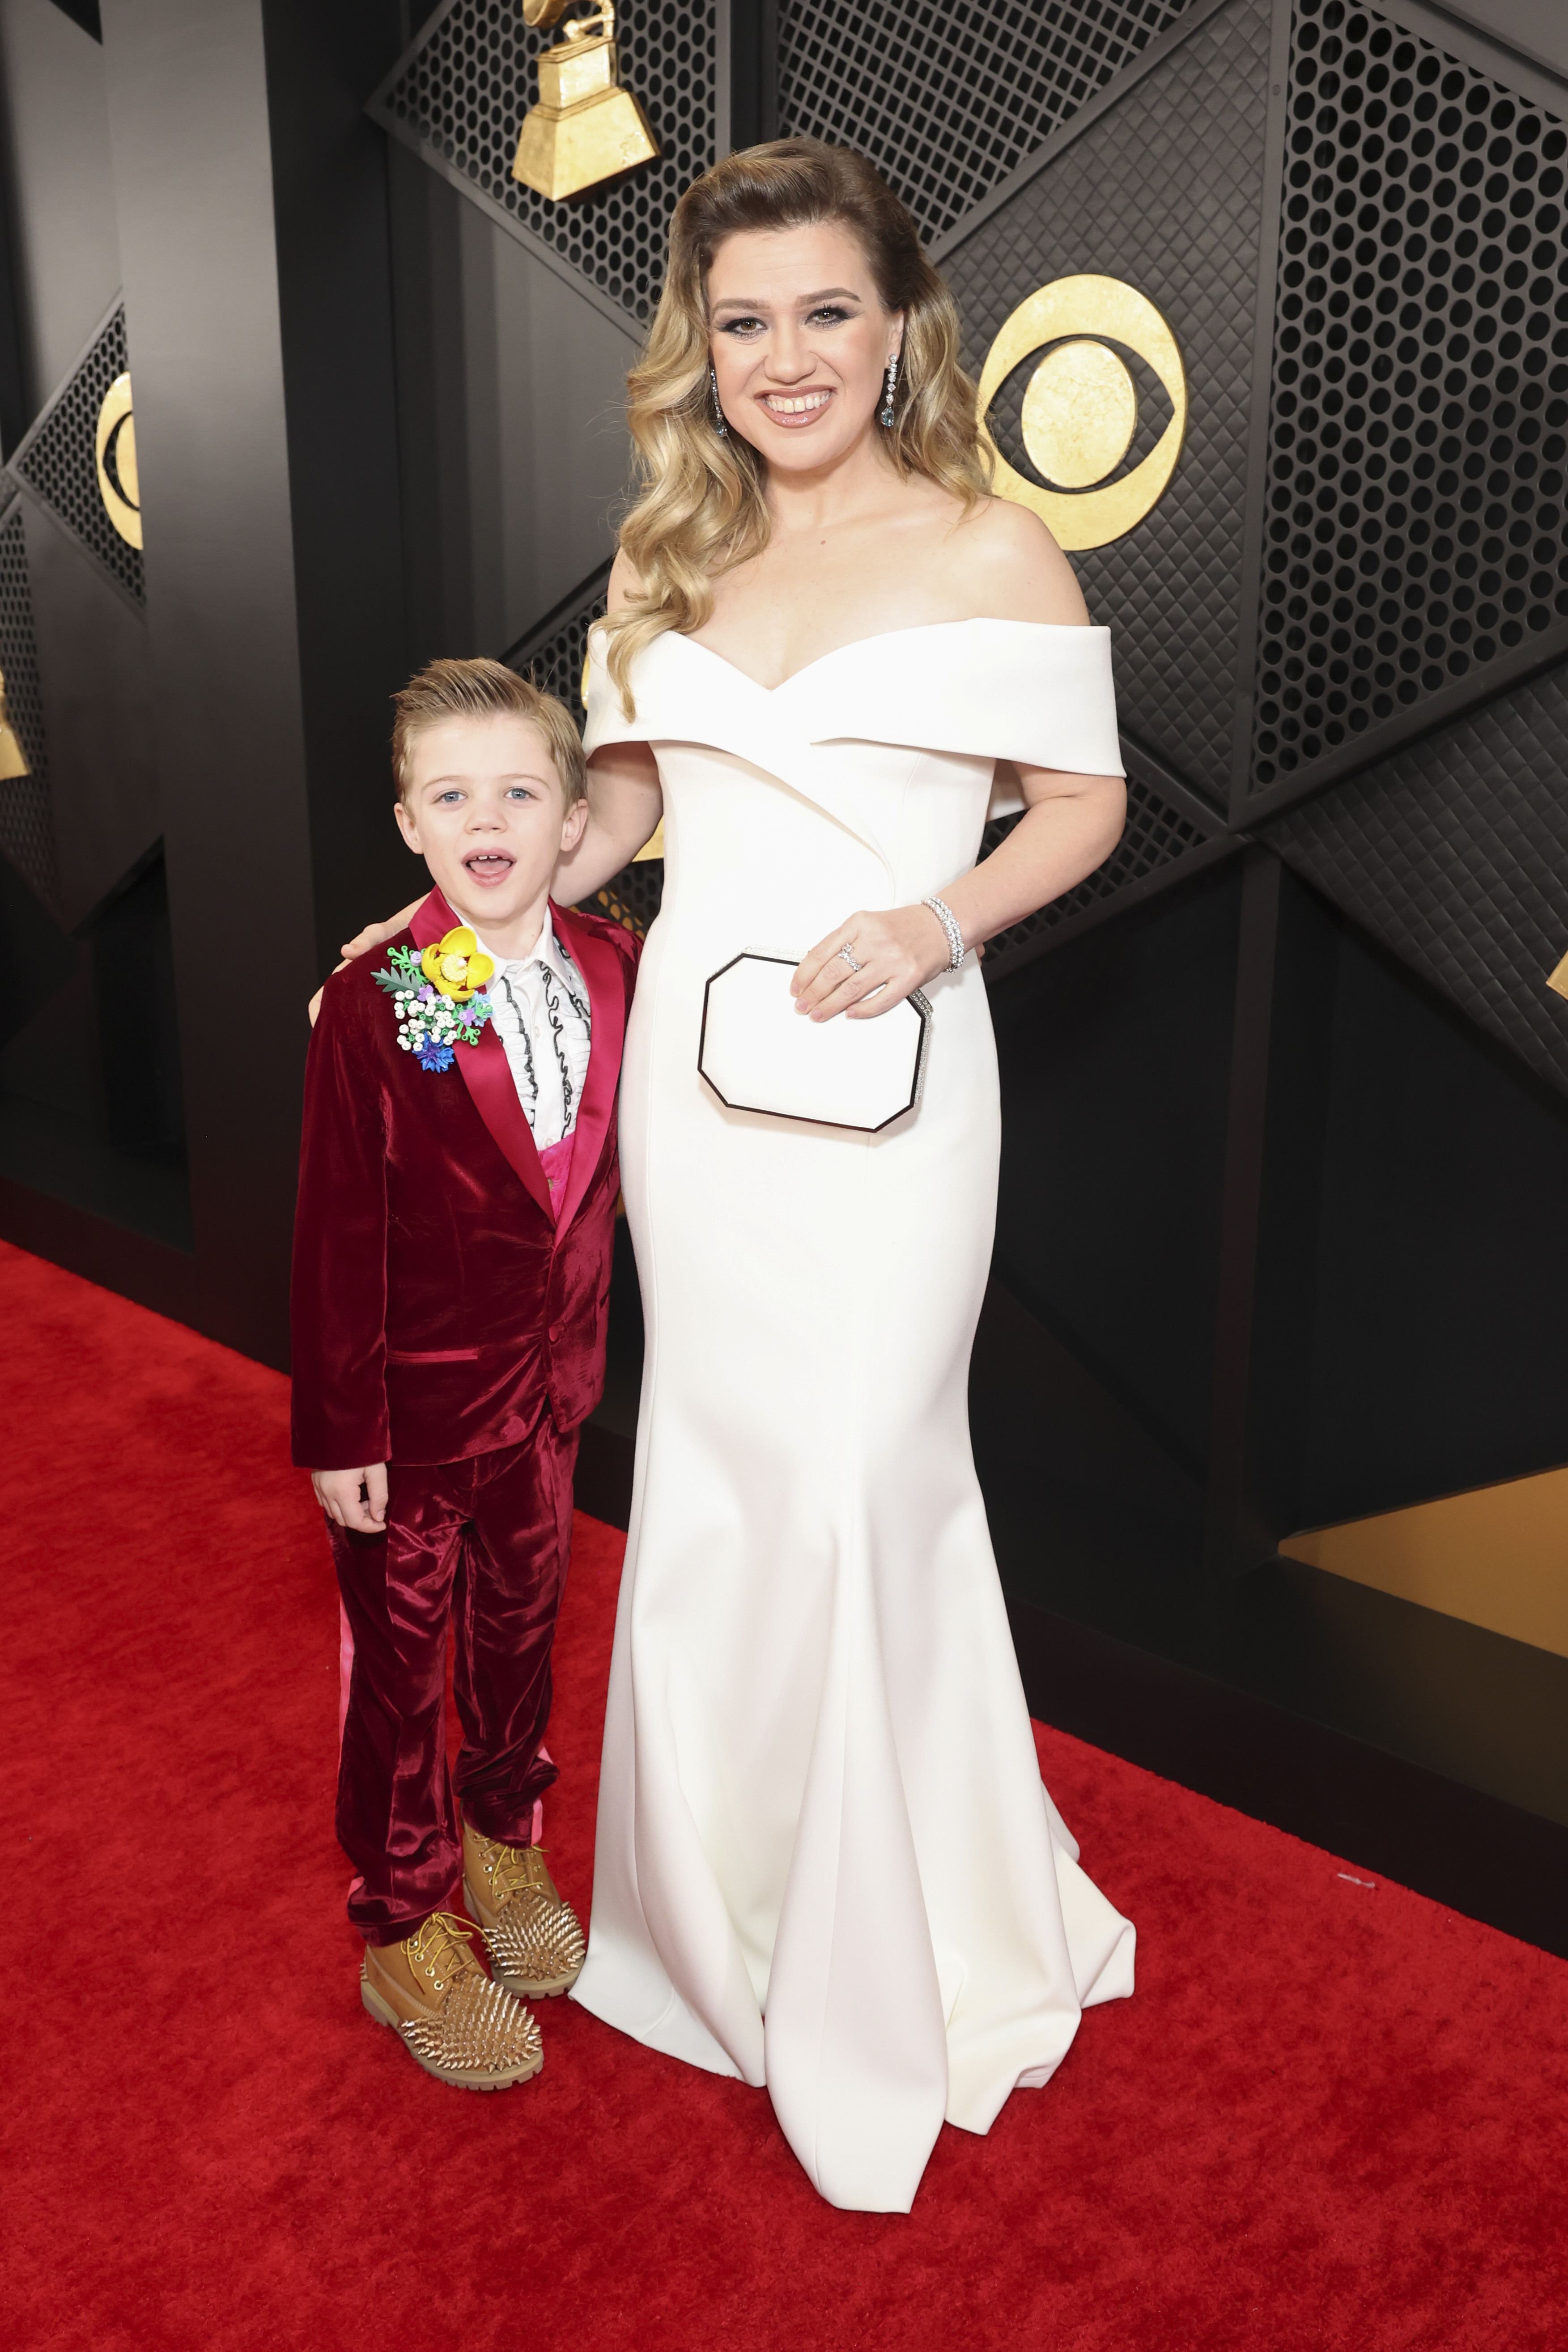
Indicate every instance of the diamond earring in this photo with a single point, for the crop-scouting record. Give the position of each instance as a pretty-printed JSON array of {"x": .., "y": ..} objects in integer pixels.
[
  {"x": 720, "y": 427},
  {"x": 885, "y": 416}
]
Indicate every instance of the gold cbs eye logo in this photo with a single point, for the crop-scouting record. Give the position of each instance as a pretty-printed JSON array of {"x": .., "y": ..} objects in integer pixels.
[
  {"x": 1080, "y": 409},
  {"x": 115, "y": 451}
]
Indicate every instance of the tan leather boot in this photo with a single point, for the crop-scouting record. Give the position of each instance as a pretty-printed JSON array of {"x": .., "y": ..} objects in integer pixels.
[
  {"x": 453, "y": 2019},
  {"x": 535, "y": 1944}
]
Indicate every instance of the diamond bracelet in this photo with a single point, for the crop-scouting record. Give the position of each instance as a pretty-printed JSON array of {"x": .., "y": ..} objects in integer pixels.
[{"x": 956, "y": 950}]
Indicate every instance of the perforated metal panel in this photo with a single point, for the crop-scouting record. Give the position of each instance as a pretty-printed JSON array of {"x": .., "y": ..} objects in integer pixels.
[
  {"x": 1166, "y": 190},
  {"x": 1454, "y": 852},
  {"x": 1157, "y": 835},
  {"x": 458, "y": 96},
  {"x": 1416, "y": 529},
  {"x": 55, "y": 459},
  {"x": 552, "y": 655},
  {"x": 946, "y": 101},
  {"x": 26, "y": 815}
]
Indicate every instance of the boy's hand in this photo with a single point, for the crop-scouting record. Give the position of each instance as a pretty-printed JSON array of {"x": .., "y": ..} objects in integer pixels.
[{"x": 355, "y": 1499}]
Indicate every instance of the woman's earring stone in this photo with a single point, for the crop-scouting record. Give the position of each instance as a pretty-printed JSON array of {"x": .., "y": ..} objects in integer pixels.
[
  {"x": 720, "y": 427},
  {"x": 885, "y": 418}
]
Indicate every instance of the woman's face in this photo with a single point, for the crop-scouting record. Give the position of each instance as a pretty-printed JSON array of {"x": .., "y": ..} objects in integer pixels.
[{"x": 800, "y": 341}]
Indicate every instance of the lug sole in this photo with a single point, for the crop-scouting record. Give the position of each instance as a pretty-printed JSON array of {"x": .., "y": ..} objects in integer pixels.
[
  {"x": 541, "y": 1990},
  {"x": 384, "y": 2014}
]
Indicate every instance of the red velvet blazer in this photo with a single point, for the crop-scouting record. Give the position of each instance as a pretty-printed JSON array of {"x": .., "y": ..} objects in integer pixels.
[{"x": 438, "y": 1305}]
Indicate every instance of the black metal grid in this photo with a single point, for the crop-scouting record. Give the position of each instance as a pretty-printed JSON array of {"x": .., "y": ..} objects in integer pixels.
[
  {"x": 1415, "y": 531},
  {"x": 1156, "y": 835},
  {"x": 26, "y": 812},
  {"x": 461, "y": 90},
  {"x": 947, "y": 102},
  {"x": 1454, "y": 853},
  {"x": 57, "y": 460}
]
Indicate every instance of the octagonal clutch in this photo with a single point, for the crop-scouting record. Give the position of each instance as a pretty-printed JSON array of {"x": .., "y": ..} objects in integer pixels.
[{"x": 758, "y": 1054}]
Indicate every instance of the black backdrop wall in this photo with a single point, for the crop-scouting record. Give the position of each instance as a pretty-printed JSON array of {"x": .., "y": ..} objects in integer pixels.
[{"x": 1280, "y": 1238}]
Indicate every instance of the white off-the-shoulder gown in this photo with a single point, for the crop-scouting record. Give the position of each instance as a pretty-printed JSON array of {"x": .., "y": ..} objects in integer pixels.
[{"x": 826, "y": 1862}]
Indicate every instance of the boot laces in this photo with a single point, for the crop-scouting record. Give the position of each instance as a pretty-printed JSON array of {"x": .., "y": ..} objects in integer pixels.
[
  {"x": 440, "y": 1950},
  {"x": 516, "y": 1868}
]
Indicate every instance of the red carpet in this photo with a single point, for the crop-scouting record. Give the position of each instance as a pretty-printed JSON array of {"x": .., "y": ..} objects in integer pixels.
[{"x": 1333, "y": 2116}]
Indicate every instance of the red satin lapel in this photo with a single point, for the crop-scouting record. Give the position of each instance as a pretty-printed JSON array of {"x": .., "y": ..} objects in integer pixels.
[
  {"x": 602, "y": 967},
  {"x": 487, "y": 1073}
]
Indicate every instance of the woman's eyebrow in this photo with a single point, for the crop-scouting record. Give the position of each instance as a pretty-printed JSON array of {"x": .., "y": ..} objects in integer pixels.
[{"x": 806, "y": 302}]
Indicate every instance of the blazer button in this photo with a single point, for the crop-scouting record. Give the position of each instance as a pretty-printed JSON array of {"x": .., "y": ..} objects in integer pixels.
[{"x": 555, "y": 1331}]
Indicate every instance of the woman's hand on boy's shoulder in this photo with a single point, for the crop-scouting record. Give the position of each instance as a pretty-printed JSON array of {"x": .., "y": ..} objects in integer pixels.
[{"x": 362, "y": 941}]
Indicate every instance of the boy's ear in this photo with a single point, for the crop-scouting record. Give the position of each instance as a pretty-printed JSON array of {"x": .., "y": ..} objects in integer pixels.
[
  {"x": 406, "y": 826},
  {"x": 572, "y": 827}
]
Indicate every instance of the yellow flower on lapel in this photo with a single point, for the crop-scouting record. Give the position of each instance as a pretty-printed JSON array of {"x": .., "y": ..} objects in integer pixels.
[{"x": 456, "y": 966}]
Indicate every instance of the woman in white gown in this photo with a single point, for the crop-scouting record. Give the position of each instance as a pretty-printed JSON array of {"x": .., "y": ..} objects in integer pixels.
[{"x": 824, "y": 1859}]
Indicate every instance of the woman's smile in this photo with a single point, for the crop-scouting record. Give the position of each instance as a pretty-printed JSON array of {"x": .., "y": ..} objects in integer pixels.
[{"x": 797, "y": 408}]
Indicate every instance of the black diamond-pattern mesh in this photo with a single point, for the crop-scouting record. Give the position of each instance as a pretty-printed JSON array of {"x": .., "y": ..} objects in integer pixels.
[
  {"x": 1156, "y": 835},
  {"x": 1165, "y": 191},
  {"x": 56, "y": 458},
  {"x": 26, "y": 815},
  {"x": 554, "y": 656},
  {"x": 946, "y": 101},
  {"x": 1454, "y": 852},
  {"x": 1416, "y": 524},
  {"x": 467, "y": 82}
]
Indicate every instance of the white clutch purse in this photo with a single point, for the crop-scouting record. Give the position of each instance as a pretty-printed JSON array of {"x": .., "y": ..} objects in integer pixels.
[{"x": 757, "y": 1053}]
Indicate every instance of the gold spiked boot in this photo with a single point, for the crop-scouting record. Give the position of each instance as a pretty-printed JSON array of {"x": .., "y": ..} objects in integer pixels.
[
  {"x": 534, "y": 1939},
  {"x": 455, "y": 2020}
]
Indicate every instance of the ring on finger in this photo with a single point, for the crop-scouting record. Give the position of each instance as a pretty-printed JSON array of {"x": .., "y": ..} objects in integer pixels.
[{"x": 850, "y": 960}]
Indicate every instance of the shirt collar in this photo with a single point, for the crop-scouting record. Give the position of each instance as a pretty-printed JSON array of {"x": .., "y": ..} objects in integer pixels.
[{"x": 547, "y": 950}]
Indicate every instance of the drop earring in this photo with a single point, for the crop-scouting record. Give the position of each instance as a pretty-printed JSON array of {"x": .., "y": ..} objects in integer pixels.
[
  {"x": 720, "y": 427},
  {"x": 885, "y": 417}
]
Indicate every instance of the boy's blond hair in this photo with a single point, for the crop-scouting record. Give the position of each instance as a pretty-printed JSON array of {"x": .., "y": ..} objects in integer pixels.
[{"x": 485, "y": 689}]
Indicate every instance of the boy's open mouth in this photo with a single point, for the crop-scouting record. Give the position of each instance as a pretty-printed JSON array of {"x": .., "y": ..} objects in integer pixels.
[{"x": 488, "y": 864}]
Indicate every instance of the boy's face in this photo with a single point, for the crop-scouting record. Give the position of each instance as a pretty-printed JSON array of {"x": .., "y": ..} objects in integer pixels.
[{"x": 484, "y": 808}]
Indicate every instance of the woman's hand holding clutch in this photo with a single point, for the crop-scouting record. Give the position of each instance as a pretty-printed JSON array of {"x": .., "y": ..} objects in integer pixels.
[{"x": 871, "y": 963}]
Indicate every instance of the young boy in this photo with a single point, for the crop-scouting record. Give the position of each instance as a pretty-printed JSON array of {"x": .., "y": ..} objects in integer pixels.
[{"x": 458, "y": 1186}]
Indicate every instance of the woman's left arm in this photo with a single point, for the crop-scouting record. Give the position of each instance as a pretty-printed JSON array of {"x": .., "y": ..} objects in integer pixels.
[{"x": 1070, "y": 822}]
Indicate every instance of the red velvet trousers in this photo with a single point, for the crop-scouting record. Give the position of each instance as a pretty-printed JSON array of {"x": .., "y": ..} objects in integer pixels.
[{"x": 481, "y": 1545}]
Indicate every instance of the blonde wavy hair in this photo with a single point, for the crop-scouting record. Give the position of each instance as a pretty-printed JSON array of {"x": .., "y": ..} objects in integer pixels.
[{"x": 699, "y": 505}]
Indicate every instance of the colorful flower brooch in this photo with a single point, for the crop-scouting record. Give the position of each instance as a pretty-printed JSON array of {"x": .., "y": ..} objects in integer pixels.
[{"x": 440, "y": 997}]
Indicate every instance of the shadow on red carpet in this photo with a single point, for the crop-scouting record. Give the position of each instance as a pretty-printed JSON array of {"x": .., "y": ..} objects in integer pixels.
[{"x": 1333, "y": 2116}]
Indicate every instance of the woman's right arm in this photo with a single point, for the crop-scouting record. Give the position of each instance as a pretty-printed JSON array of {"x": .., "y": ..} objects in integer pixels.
[{"x": 624, "y": 799}]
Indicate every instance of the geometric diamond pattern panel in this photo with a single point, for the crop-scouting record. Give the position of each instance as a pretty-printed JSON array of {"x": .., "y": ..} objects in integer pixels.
[
  {"x": 460, "y": 93},
  {"x": 1454, "y": 852},
  {"x": 27, "y": 815},
  {"x": 1164, "y": 190},
  {"x": 1418, "y": 529},
  {"x": 947, "y": 102},
  {"x": 56, "y": 458},
  {"x": 1156, "y": 835},
  {"x": 552, "y": 655}
]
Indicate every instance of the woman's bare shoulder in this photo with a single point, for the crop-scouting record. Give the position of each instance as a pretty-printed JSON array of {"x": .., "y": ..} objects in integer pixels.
[
  {"x": 1012, "y": 568},
  {"x": 625, "y": 584}
]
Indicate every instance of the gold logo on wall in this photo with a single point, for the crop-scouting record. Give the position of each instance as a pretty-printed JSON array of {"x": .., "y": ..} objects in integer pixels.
[
  {"x": 586, "y": 127},
  {"x": 115, "y": 445},
  {"x": 1080, "y": 409},
  {"x": 13, "y": 759}
]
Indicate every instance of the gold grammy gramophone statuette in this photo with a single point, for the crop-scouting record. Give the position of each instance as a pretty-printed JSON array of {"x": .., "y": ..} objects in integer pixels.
[{"x": 586, "y": 127}]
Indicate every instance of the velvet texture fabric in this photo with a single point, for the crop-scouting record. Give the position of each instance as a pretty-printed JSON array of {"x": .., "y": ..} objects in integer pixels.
[
  {"x": 439, "y": 1301},
  {"x": 483, "y": 1544}
]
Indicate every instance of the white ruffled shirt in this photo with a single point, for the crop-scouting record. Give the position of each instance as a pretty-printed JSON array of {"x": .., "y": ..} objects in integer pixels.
[{"x": 540, "y": 1008}]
